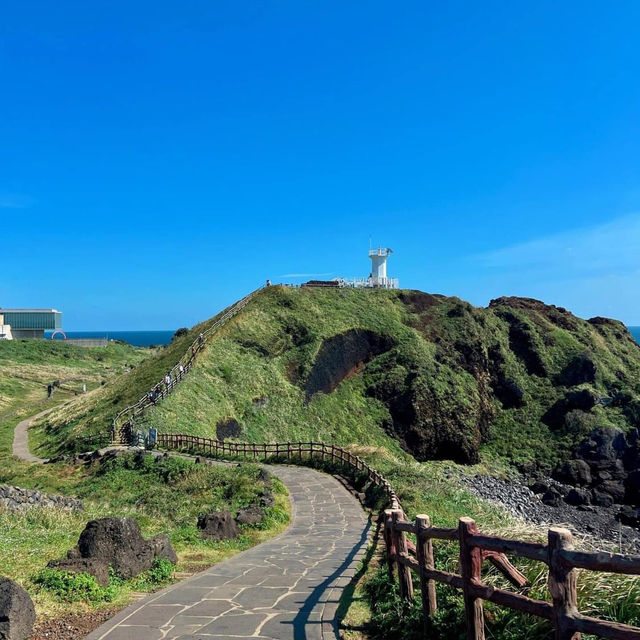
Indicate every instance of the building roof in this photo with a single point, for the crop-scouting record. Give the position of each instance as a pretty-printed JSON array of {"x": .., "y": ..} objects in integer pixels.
[{"x": 29, "y": 311}]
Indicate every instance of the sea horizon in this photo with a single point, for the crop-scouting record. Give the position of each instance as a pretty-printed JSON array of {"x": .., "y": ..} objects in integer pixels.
[
  {"x": 134, "y": 338},
  {"x": 163, "y": 337}
]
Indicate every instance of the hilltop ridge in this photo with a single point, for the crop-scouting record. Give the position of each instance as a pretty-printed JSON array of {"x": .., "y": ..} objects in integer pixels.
[{"x": 443, "y": 379}]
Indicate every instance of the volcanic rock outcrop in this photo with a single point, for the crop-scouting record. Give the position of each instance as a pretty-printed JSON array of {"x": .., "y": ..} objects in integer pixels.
[
  {"x": 17, "y": 613},
  {"x": 115, "y": 543}
]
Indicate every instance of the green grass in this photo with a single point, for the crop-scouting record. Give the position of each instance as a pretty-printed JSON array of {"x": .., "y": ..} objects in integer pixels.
[
  {"x": 445, "y": 351},
  {"x": 164, "y": 496}
]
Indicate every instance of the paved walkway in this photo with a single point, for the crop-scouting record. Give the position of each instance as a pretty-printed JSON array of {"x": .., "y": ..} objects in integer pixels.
[
  {"x": 286, "y": 588},
  {"x": 21, "y": 438}
]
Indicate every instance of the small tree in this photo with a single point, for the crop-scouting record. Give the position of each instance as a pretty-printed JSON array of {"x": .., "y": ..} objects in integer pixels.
[{"x": 182, "y": 331}]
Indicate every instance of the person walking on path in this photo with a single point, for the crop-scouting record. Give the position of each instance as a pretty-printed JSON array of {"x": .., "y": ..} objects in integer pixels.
[
  {"x": 167, "y": 381},
  {"x": 181, "y": 370},
  {"x": 200, "y": 340}
]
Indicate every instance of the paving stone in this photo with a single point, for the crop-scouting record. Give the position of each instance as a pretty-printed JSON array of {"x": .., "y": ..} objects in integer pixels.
[
  {"x": 239, "y": 625},
  {"x": 209, "y": 608},
  {"x": 154, "y": 615}
]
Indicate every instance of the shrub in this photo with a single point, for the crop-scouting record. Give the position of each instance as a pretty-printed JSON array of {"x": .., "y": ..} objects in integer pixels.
[
  {"x": 182, "y": 331},
  {"x": 75, "y": 587}
]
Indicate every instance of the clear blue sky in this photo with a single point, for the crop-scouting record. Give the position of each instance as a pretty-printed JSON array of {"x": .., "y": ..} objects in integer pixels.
[{"x": 160, "y": 159}]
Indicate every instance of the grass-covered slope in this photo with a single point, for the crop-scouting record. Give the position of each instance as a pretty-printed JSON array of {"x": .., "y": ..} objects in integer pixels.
[
  {"x": 93, "y": 413},
  {"x": 28, "y": 366},
  {"x": 518, "y": 379}
]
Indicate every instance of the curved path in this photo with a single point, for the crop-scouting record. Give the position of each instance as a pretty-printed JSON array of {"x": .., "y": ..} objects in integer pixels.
[
  {"x": 286, "y": 588},
  {"x": 21, "y": 438}
]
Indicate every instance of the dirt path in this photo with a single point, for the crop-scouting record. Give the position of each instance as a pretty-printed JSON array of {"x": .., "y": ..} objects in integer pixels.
[{"x": 21, "y": 438}]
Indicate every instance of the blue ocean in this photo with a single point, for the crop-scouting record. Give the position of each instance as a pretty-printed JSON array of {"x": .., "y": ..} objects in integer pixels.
[
  {"x": 135, "y": 338},
  {"x": 157, "y": 338}
]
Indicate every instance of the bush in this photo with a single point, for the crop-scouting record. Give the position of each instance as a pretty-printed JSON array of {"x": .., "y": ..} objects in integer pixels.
[
  {"x": 75, "y": 587},
  {"x": 182, "y": 331},
  {"x": 160, "y": 573},
  {"x": 83, "y": 587}
]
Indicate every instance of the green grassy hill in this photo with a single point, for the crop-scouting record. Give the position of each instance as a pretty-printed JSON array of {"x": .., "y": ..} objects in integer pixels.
[
  {"x": 403, "y": 377},
  {"x": 433, "y": 375}
]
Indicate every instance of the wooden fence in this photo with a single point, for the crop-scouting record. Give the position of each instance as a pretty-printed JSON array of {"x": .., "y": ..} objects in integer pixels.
[
  {"x": 280, "y": 450},
  {"x": 122, "y": 426},
  {"x": 405, "y": 557},
  {"x": 558, "y": 554}
]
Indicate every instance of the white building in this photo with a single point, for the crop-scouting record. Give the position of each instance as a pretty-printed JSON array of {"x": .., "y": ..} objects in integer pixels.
[
  {"x": 5, "y": 329},
  {"x": 378, "y": 278}
]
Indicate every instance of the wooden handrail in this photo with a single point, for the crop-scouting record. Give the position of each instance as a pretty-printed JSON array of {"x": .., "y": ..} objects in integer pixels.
[
  {"x": 475, "y": 547},
  {"x": 290, "y": 450},
  {"x": 122, "y": 430}
]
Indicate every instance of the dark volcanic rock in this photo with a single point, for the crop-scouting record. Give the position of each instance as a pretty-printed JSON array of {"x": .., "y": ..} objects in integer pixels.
[
  {"x": 584, "y": 400},
  {"x": 574, "y": 472},
  {"x": 229, "y": 428},
  {"x": 250, "y": 515},
  {"x": 522, "y": 340},
  {"x": 603, "y": 443},
  {"x": 552, "y": 497},
  {"x": 266, "y": 498},
  {"x": 578, "y": 497},
  {"x": 99, "y": 569},
  {"x": 341, "y": 355},
  {"x": 579, "y": 370},
  {"x": 632, "y": 488},
  {"x": 117, "y": 543},
  {"x": 629, "y": 516},
  {"x": 602, "y": 521},
  {"x": 162, "y": 548},
  {"x": 218, "y": 526},
  {"x": 17, "y": 613}
]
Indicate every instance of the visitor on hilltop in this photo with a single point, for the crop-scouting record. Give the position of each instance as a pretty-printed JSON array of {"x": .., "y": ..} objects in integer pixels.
[
  {"x": 193, "y": 352},
  {"x": 200, "y": 339},
  {"x": 167, "y": 381},
  {"x": 181, "y": 370},
  {"x": 268, "y": 283}
]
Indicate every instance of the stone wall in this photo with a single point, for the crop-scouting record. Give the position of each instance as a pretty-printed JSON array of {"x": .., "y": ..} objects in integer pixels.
[{"x": 15, "y": 498}]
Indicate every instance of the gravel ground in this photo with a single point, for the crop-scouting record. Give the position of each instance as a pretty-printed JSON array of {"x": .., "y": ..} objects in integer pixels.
[
  {"x": 72, "y": 626},
  {"x": 518, "y": 499}
]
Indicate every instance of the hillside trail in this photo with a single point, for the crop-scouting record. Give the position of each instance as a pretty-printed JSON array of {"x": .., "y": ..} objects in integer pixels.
[
  {"x": 21, "y": 438},
  {"x": 287, "y": 588}
]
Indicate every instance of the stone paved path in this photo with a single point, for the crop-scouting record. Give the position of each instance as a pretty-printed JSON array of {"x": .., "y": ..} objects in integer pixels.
[{"x": 286, "y": 588}]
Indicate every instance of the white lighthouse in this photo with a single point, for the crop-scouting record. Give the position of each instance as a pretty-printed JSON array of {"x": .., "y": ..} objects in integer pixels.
[{"x": 378, "y": 276}]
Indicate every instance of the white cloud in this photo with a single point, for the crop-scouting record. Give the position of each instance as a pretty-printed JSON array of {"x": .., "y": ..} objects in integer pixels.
[{"x": 599, "y": 251}]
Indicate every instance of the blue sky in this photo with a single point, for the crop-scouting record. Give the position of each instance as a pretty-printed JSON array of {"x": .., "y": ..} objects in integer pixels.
[{"x": 158, "y": 160}]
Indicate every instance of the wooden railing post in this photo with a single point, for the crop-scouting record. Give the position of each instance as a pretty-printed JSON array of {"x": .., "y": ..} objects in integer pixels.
[
  {"x": 562, "y": 585},
  {"x": 388, "y": 540},
  {"x": 424, "y": 555},
  {"x": 471, "y": 572},
  {"x": 400, "y": 544}
]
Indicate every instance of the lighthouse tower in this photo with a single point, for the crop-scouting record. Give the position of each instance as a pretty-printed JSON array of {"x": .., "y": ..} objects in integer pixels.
[{"x": 379, "y": 269}]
